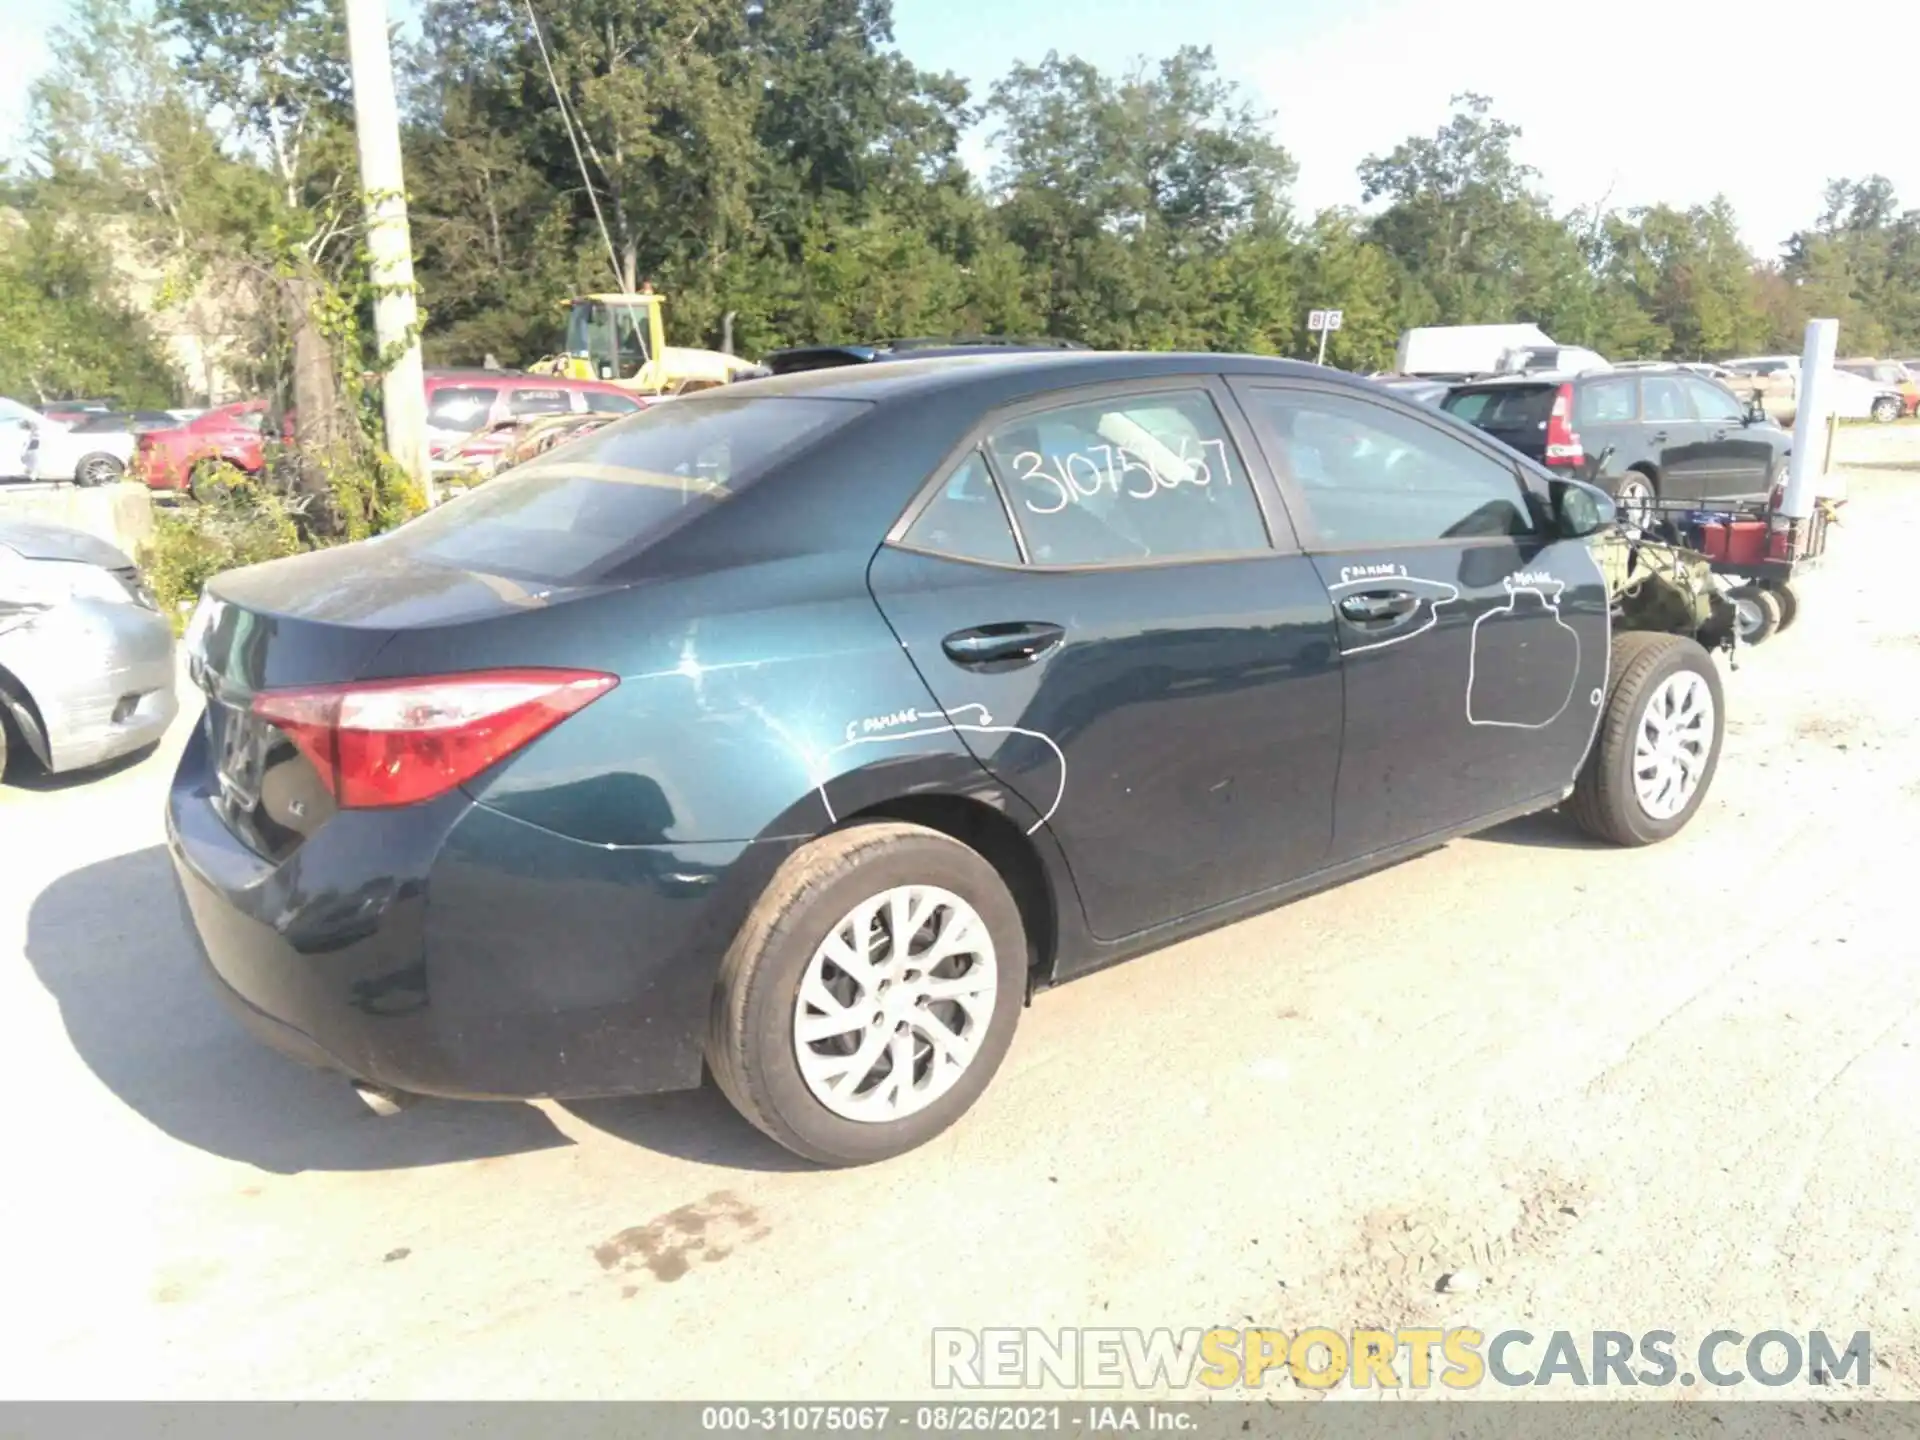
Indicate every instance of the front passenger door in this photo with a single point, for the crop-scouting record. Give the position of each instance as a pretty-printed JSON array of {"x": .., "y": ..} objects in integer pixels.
[
  {"x": 1473, "y": 643},
  {"x": 1739, "y": 454}
]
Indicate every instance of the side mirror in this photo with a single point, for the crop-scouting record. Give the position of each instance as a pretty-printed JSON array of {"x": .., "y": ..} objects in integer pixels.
[
  {"x": 1756, "y": 411},
  {"x": 1580, "y": 509}
]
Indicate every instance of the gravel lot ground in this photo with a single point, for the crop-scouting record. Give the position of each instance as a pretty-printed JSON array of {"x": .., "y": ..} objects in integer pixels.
[{"x": 1671, "y": 1088}]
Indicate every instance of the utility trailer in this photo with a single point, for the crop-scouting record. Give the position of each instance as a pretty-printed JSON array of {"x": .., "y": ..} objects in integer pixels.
[{"x": 1754, "y": 553}]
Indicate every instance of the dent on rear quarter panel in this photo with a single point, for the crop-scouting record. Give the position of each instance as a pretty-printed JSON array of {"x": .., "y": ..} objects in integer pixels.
[{"x": 733, "y": 714}]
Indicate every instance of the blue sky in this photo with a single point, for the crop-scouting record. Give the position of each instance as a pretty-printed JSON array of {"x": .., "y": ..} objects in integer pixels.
[{"x": 1629, "y": 101}]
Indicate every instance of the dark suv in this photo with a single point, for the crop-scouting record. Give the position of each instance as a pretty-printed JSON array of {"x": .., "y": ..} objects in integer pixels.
[{"x": 1663, "y": 433}]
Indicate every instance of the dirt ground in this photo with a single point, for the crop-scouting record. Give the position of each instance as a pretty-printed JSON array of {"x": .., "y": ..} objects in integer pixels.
[{"x": 1662, "y": 1089}]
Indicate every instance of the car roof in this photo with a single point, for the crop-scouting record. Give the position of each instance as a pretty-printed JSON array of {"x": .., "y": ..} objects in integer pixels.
[{"x": 1014, "y": 372}]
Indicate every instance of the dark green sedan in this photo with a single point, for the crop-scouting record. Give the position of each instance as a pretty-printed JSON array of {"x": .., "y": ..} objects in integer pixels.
[{"x": 798, "y": 731}]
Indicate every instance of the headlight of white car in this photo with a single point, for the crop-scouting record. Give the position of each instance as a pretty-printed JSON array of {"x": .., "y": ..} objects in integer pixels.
[{"x": 46, "y": 583}]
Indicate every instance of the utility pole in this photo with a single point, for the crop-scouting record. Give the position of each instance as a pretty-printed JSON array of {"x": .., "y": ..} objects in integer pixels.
[
  {"x": 376, "y": 117},
  {"x": 1813, "y": 403}
]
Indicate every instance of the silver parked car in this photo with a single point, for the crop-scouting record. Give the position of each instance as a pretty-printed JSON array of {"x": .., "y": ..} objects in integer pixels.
[{"x": 86, "y": 660}]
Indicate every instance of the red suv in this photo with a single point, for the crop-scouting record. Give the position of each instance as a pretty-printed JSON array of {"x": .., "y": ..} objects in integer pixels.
[
  {"x": 169, "y": 459},
  {"x": 462, "y": 402}
]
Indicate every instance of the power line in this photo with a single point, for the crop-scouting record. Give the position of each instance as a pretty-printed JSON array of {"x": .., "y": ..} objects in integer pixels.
[{"x": 613, "y": 258}]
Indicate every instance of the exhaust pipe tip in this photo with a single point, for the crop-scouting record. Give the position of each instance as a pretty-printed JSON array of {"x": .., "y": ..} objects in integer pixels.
[{"x": 380, "y": 1100}]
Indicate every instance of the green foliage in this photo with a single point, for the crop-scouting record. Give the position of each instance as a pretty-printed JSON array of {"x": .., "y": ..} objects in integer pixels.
[
  {"x": 242, "y": 523},
  {"x": 64, "y": 328}
]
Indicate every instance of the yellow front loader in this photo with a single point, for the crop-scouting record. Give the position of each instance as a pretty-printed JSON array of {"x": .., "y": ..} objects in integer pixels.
[{"x": 622, "y": 338}]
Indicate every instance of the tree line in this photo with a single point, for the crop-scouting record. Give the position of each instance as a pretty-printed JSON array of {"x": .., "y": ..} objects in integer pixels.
[{"x": 784, "y": 175}]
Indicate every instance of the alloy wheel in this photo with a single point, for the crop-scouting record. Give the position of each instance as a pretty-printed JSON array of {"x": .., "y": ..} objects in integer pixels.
[
  {"x": 1673, "y": 744},
  {"x": 894, "y": 1003},
  {"x": 1634, "y": 501}
]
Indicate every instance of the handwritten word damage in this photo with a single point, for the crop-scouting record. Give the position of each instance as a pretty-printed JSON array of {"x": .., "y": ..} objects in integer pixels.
[{"x": 1083, "y": 474}]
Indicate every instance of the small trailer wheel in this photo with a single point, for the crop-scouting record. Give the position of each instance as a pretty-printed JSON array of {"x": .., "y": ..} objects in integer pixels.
[
  {"x": 1782, "y": 591},
  {"x": 1758, "y": 611},
  {"x": 1658, "y": 744}
]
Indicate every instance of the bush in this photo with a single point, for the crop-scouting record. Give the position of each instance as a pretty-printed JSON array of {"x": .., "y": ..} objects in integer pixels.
[
  {"x": 245, "y": 525},
  {"x": 244, "y": 520}
]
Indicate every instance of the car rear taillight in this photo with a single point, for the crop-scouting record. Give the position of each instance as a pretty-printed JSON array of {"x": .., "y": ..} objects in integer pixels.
[
  {"x": 395, "y": 742},
  {"x": 1563, "y": 442}
]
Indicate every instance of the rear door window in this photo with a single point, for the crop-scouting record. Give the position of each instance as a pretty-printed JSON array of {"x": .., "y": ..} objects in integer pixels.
[
  {"x": 966, "y": 519},
  {"x": 564, "y": 517},
  {"x": 1664, "y": 400},
  {"x": 461, "y": 407},
  {"x": 1604, "y": 402},
  {"x": 1127, "y": 480}
]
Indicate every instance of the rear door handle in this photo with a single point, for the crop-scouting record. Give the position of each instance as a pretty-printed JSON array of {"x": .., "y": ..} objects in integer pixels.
[
  {"x": 1373, "y": 607},
  {"x": 1016, "y": 642},
  {"x": 1659, "y": 437}
]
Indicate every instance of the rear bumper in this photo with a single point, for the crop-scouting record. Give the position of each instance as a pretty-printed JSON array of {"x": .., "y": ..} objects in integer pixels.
[
  {"x": 447, "y": 949},
  {"x": 100, "y": 675}
]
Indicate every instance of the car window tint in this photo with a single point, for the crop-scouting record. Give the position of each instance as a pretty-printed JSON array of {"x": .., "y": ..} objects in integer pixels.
[
  {"x": 458, "y": 407},
  {"x": 1710, "y": 402},
  {"x": 1603, "y": 402},
  {"x": 965, "y": 518},
  {"x": 1372, "y": 476},
  {"x": 1507, "y": 407},
  {"x": 1663, "y": 400},
  {"x": 569, "y": 514},
  {"x": 1130, "y": 479},
  {"x": 608, "y": 402},
  {"x": 538, "y": 402}
]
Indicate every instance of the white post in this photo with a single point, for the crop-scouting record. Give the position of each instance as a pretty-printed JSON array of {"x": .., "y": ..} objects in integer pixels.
[
  {"x": 1323, "y": 347},
  {"x": 1813, "y": 400},
  {"x": 376, "y": 117}
]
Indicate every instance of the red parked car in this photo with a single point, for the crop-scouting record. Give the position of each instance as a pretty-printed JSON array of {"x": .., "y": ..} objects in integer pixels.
[
  {"x": 170, "y": 459},
  {"x": 464, "y": 402}
]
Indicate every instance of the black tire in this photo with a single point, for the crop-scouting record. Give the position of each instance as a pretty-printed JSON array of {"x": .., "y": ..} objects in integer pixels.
[
  {"x": 1761, "y": 614},
  {"x": 1605, "y": 802},
  {"x": 1788, "y": 599},
  {"x": 750, "y": 1046},
  {"x": 1887, "y": 409},
  {"x": 98, "y": 468}
]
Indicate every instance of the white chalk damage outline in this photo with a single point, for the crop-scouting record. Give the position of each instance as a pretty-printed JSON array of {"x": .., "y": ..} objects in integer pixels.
[
  {"x": 1538, "y": 587},
  {"x": 1389, "y": 582},
  {"x": 912, "y": 715}
]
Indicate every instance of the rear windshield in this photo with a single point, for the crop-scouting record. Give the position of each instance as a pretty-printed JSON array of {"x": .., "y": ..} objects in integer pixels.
[
  {"x": 1509, "y": 407},
  {"x": 561, "y": 518}
]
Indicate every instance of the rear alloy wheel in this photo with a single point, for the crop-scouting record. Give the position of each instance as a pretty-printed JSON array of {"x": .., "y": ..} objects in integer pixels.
[
  {"x": 1887, "y": 409},
  {"x": 871, "y": 995},
  {"x": 1633, "y": 497},
  {"x": 98, "y": 468},
  {"x": 1658, "y": 744},
  {"x": 1758, "y": 613}
]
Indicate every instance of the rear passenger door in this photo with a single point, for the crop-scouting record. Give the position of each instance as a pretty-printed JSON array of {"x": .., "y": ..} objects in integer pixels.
[
  {"x": 1674, "y": 439},
  {"x": 1108, "y": 608},
  {"x": 1474, "y": 644}
]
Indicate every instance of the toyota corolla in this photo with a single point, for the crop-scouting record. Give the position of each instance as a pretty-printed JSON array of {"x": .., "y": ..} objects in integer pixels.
[{"x": 799, "y": 731}]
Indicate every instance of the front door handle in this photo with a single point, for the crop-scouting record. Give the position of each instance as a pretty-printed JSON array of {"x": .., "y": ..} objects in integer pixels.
[
  {"x": 1017, "y": 642},
  {"x": 1374, "y": 607},
  {"x": 1659, "y": 437}
]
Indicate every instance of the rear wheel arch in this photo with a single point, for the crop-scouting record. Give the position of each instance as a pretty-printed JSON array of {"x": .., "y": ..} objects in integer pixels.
[{"x": 1003, "y": 844}]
